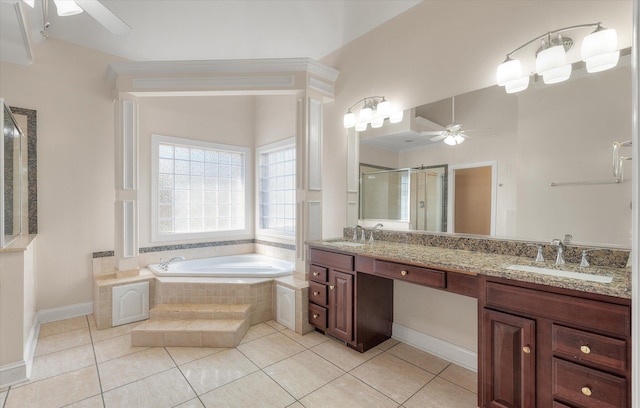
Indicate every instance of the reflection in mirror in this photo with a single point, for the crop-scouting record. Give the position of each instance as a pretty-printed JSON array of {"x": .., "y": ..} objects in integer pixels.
[
  {"x": 11, "y": 183},
  {"x": 552, "y": 145}
]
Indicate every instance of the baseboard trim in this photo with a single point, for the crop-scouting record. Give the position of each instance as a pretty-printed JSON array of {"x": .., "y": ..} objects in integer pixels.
[
  {"x": 65, "y": 312},
  {"x": 11, "y": 374},
  {"x": 30, "y": 346},
  {"x": 450, "y": 352}
]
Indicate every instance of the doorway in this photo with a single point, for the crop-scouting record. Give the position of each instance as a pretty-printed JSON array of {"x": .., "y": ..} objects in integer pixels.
[{"x": 472, "y": 198}]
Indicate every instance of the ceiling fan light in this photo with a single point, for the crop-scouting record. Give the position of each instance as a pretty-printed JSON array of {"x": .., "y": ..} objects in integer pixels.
[
  {"x": 67, "y": 8},
  {"x": 602, "y": 62},
  {"x": 509, "y": 70},
  {"x": 601, "y": 41},
  {"x": 450, "y": 140},
  {"x": 459, "y": 139},
  {"x": 349, "y": 120},
  {"x": 557, "y": 75},
  {"x": 517, "y": 85},
  {"x": 396, "y": 117},
  {"x": 550, "y": 58},
  {"x": 361, "y": 126}
]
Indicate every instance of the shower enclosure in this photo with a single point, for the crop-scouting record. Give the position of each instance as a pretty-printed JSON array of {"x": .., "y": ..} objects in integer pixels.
[
  {"x": 412, "y": 196},
  {"x": 11, "y": 171}
]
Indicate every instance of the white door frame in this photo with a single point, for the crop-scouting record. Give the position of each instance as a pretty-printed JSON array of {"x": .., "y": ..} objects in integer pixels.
[{"x": 451, "y": 188}]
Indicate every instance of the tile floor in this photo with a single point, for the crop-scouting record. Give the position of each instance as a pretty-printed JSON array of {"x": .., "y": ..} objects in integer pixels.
[{"x": 77, "y": 365}]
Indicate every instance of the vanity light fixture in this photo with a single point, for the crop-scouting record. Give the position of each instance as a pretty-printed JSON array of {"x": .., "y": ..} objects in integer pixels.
[
  {"x": 67, "y": 8},
  {"x": 374, "y": 110},
  {"x": 599, "y": 52}
]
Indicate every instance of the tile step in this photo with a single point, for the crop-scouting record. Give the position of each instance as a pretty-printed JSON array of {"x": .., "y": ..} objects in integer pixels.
[
  {"x": 189, "y": 333},
  {"x": 200, "y": 311}
]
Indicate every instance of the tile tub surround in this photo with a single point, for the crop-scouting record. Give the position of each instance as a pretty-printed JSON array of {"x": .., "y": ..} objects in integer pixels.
[
  {"x": 78, "y": 365},
  {"x": 485, "y": 263},
  {"x": 602, "y": 256}
]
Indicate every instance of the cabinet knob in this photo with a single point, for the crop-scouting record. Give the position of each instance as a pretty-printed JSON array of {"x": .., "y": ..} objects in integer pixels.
[
  {"x": 526, "y": 349},
  {"x": 586, "y": 391},
  {"x": 585, "y": 349},
  {"x": 316, "y": 293},
  {"x": 316, "y": 274},
  {"x": 403, "y": 273},
  {"x": 331, "y": 287},
  {"x": 315, "y": 315}
]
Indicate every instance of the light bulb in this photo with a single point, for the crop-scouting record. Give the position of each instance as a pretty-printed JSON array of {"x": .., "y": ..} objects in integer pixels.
[
  {"x": 556, "y": 75},
  {"x": 366, "y": 114},
  {"x": 550, "y": 58},
  {"x": 599, "y": 42},
  {"x": 459, "y": 139},
  {"x": 450, "y": 140},
  {"x": 602, "y": 62},
  {"x": 517, "y": 85},
  {"x": 383, "y": 108},
  {"x": 396, "y": 117},
  {"x": 377, "y": 122},
  {"x": 30, "y": 3},
  {"x": 67, "y": 8},
  {"x": 509, "y": 70},
  {"x": 361, "y": 126},
  {"x": 349, "y": 120}
]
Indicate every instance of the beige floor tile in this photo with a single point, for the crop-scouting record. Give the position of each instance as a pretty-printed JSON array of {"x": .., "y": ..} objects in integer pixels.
[
  {"x": 91, "y": 319},
  {"x": 342, "y": 356},
  {"x": 441, "y": 393},
  {"x": 115, "y": 347},
  {"x": 216, "y": 370},
  {"x": 264, "y": 393},
  {"x": 256, "y": 331},
  {"x": 166, "y": 389},
  {"x": 270, "y": 349},
  {"x": 133, "y": 367},
  {"x": 347, "y": 391},
  {"x": 62, "y": 341},
  {"x": 93, "y": 402},
  {"x": 61, "y": 326},
  {"x": 420, "y": 358},
  {"x": 386, "y": 345},
  {"x": 62, "y": 362},
  {"x": 392, "y": 376},
  {"x": 99, "y": 335},
  {"x": 276, "y": 325},
  {"x": 296, "y": 405},
  {"x": 194, "y": 403},
  {"x": 308, "y": 340},
  {"x": 461, "y": 376},
  {"x": 183, "y": 355},
  {"x": 303, "y": 373},
  {"x": 56, "y": 391}
]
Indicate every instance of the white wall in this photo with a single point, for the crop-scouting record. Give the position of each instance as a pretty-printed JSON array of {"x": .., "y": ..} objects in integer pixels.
[
  {"x": 68, "y": 89},
  {"x": 435, "y": 50}
]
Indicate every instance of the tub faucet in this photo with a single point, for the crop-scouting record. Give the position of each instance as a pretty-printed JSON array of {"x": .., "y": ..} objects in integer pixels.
[
  {"x": 165, "y": 265},
  {"x": 375, "y": 227},
  {"x": 560, "y": 257}
]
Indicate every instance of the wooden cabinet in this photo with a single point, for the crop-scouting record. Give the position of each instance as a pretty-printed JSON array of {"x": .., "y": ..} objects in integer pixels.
[
  {"x": 336, "y": 309},
  {"x": 550, "y": 347}
]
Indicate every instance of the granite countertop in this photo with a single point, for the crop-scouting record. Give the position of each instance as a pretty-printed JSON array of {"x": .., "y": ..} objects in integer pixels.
[{"x": 481, "y": 263}]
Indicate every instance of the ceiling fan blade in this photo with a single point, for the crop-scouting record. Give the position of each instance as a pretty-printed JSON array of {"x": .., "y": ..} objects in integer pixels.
[
  {"x": 104, "y": 16},
  {"x": 438, "y": 138},
  {"x": 431, "y": 133}
]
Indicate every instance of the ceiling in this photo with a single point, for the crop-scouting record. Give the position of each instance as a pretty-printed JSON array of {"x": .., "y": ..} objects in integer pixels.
[{"x": 165, "y": 30}]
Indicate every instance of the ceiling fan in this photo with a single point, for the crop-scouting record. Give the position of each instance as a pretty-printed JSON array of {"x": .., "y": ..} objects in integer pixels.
[
  {"x": 453, "y": 134},
  {"x": 94, "y": 8}
]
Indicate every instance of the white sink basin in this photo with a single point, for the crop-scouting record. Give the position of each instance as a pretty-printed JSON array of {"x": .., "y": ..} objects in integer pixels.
[
  {"x": 345, "y": 243},
  {"x": 563, "y": 274}
]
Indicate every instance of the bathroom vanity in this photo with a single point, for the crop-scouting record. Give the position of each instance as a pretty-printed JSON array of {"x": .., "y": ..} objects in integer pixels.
[{"x": 543, "y": 341}]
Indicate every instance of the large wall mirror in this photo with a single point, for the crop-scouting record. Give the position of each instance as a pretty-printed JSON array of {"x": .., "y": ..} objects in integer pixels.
[{"x": 537, "y": 165}]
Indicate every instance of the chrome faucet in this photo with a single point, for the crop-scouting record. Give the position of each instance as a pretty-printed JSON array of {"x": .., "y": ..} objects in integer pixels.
[
  {"x": 165, "y": 265},
  {"x": 560, "y": 257},
  {"x": 375, "y": 227},
  {"x": 355, "y": 232}
]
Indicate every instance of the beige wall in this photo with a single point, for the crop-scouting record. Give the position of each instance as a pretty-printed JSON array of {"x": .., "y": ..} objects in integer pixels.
[{"x": 420, "y": 57}]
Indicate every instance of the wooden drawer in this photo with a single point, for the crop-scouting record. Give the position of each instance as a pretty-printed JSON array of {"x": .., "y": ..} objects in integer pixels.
[
  {"x": 318, "y": 273},
  {"x": 413, "y": 274},
  {"x": 589, "y": 348},
  {"x": 331, "y": 259},
  {"x": 585, "y": 313},
  {"x": 318, "y": 316},
  {"x": 557, "y": 404},
  {"x": 318, "y": 293},
  {"x": 575, "y": 384}
]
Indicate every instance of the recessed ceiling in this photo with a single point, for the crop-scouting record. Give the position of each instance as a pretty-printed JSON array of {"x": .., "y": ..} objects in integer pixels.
[{"x": 165, "y": 30}]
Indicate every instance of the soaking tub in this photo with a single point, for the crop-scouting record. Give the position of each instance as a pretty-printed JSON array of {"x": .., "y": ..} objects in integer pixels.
[{"x": 233, "y": 266}]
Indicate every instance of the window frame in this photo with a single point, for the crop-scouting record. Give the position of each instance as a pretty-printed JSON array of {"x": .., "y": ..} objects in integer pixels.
[
  {"x": 156, "y": 236},
  {"x": 268, "y": 232}
]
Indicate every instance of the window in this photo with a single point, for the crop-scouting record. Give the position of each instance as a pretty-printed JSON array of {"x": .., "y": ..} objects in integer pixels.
[
  {"x": 199, "y": 189},
  {"x": 277, "y": 188}
]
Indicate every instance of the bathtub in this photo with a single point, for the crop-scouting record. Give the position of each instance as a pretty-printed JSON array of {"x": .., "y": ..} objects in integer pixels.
[{"x": 233, "y": 266}]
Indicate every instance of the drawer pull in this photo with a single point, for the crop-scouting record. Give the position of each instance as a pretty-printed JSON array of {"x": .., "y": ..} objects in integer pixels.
[
  {"x": 403, "y": 273},
  {"x": 331, "y": 287},
  {"x": 585, "y": 349},
  {"x": 316, "y": 293},
  {"x": 316, "y": 273},
  {"x": 526, "y": 349},
  {"x": 586, "y": 391},
  {"x": 315, "y": 315}
]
